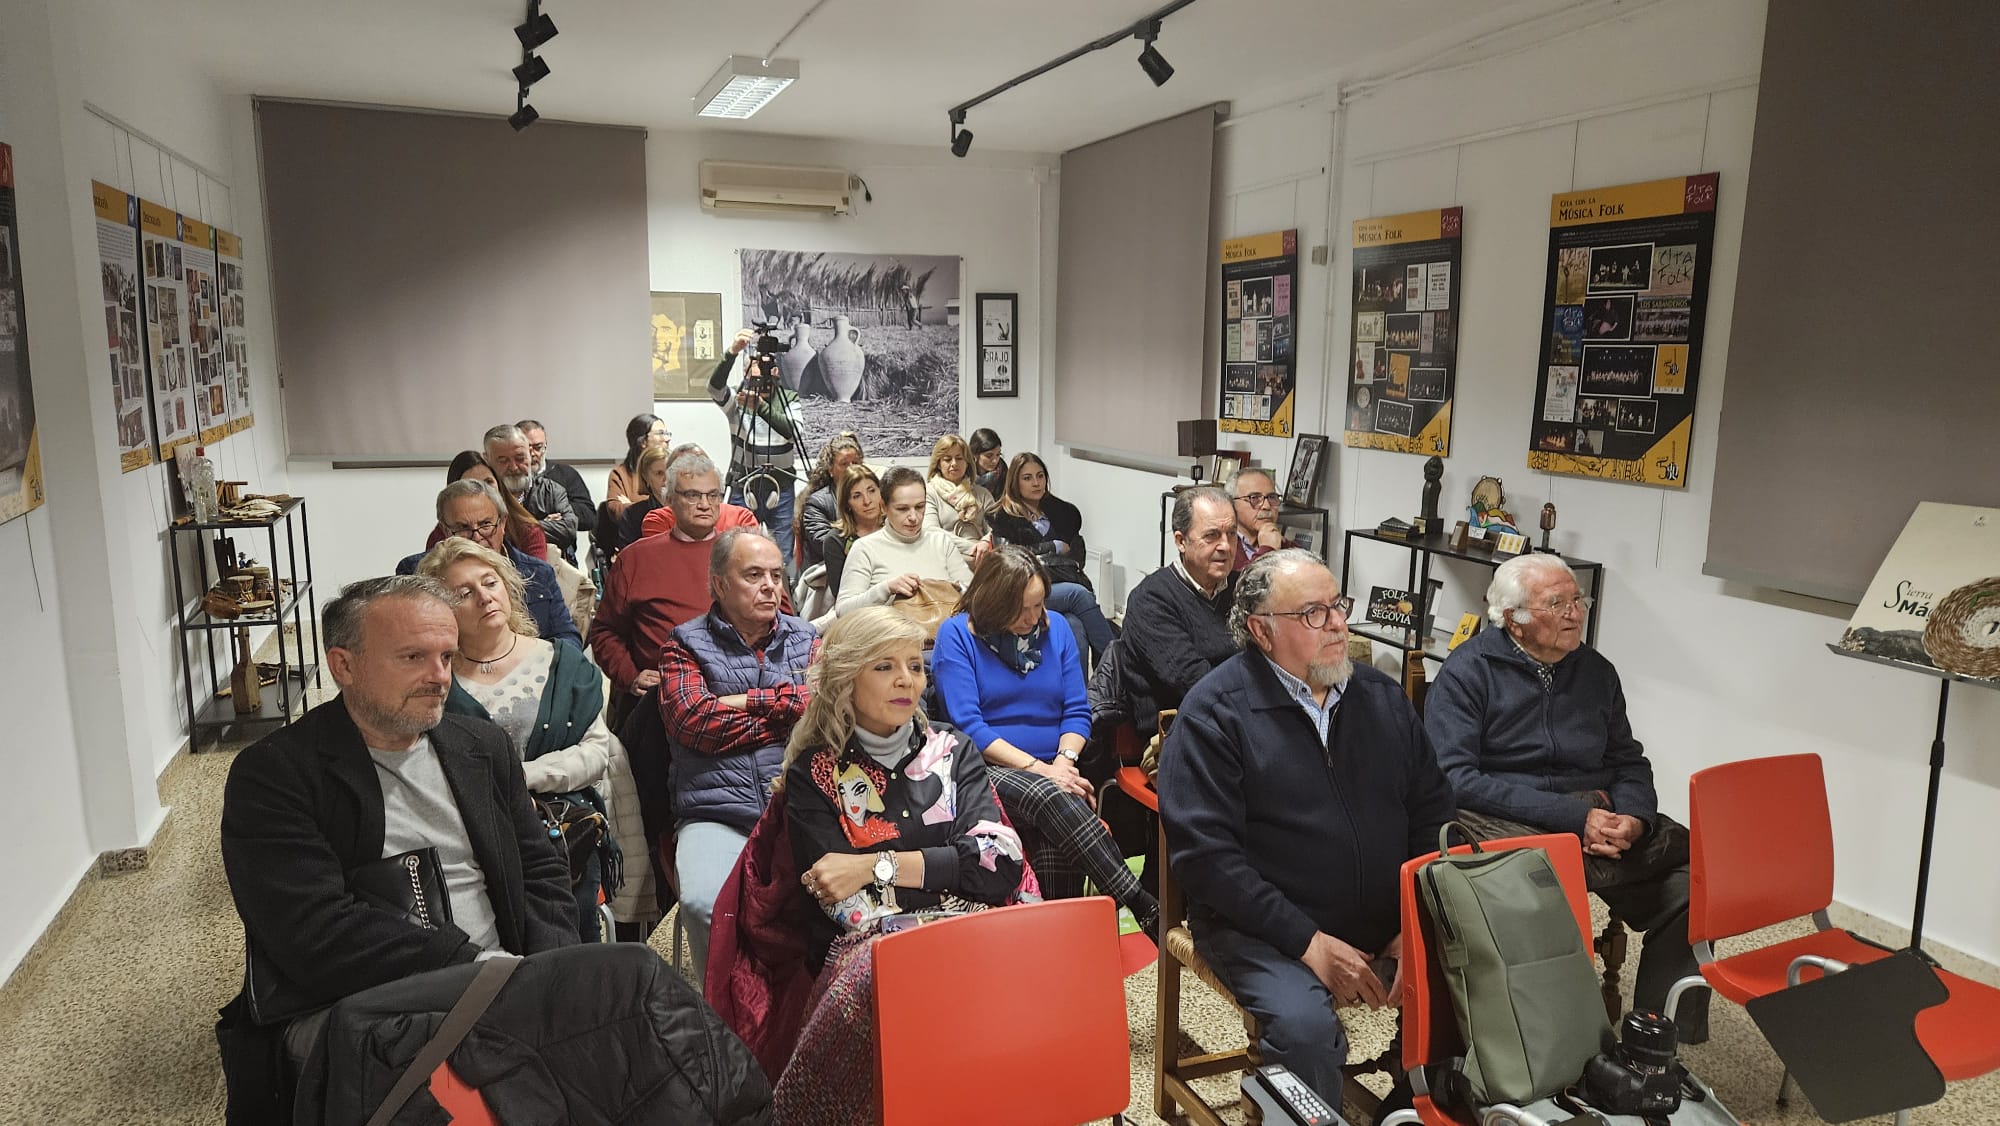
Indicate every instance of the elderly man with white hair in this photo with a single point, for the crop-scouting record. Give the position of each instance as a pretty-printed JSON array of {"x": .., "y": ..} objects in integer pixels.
[{"x": 1529, "y": 725}]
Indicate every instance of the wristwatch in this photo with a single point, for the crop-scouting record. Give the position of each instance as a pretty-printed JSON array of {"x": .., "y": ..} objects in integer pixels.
[
  {"x": 1072, "y": 754},
  {"x": 885, "y": 877}
]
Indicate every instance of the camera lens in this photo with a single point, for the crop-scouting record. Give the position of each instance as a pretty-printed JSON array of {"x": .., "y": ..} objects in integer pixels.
[{"x": 1647, "y": 1039}]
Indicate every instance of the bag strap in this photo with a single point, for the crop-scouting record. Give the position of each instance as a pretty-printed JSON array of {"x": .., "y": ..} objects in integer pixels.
[
  {"x": 471, "y": 1005},
  {"x": 1444, "y": 837}
]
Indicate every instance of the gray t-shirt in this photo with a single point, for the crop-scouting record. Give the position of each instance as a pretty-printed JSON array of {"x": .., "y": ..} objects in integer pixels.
[{"x": 418, "y": 811}]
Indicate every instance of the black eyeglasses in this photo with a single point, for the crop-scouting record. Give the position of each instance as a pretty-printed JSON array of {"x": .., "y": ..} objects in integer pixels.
[
  {"x": 473, "y": 531},
  {"x": 1317, "y": 615},
  {"x": 712, "y": 496},
  {"x": 1259, "y": 500}
]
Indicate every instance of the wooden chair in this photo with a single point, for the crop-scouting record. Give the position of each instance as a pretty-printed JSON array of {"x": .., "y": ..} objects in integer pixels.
[{"x": 1174, "y": 1096}]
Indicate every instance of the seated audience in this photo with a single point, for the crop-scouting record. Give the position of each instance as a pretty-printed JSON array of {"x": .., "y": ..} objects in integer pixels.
[
  {"x": 625, "y": 486},
  {"x": 1029, "y": 515},
  {"x": 818, "y": 513},
  {"x": 989, "y": 461},
  {"x": 523, "y": 531},
  {"x": 859, "y": 502},
  {"x": 507, "y": 452},
  {"x": 1177, "y": 618},
  {"x": 886, "y": 812},
  {"x": 656, "y": 584},
  {"x": 377, "y": 772},
  {"x": 892, "y": 563},
  {"x": 1009, "y": 675},
  {"x": 571, "y": 481},
  {"x": 473, "y": 510},
  {"x": 956, "y": 502},
  {"x": 1529, "y": 725},
  {"x": 732, "y": 684},
  {"x": 1257, "y": 504},
  {"x": 1286, "y": 828},
  {"x": 548, "y": 698}
]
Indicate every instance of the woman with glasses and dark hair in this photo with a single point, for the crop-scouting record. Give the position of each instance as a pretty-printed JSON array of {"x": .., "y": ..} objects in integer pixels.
[
  {"x": 989, "y": 461},
  {"x": 626, "y": 486},
  {"x": 1257, "y": 502},
  {"x": 524, "y": 532},
  {"x": 1010, "y": 676},
  {"x": 1029, "y": 515}
]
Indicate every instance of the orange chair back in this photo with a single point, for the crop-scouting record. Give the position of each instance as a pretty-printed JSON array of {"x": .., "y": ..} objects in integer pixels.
[
  {"x": 961, "y": 1035},
  {"x": 462, "y": 1102},
  {"x": 1430, "y": 1032},
  {"x": 1762, "y": 845}
]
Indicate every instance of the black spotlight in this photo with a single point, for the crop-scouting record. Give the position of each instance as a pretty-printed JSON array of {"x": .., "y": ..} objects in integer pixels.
[
  {"x": 522, "y": 118},
  {"x": 961, "y": 137},
  {"x": 533, "y": 69},
  {"x": 1151, "y": 61},
  {"x": 538, "y": 30}
]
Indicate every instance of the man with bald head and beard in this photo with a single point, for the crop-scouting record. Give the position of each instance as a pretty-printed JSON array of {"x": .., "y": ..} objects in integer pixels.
[
  {"x": 375, "y": 775},
  {"x": 1293, "y": 786}
]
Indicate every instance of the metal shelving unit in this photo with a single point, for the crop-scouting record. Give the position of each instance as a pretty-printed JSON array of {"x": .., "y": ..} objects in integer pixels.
[
  {"x": 1422, "y": 551},
  {"x": 292, "y": 604}
]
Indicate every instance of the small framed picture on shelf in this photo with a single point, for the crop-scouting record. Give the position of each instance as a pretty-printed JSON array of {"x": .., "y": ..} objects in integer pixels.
[
  {"x": 1302, "y": 486},
  {"x": 999, "y": 374},
  {"x": 1228, "y": 463}
]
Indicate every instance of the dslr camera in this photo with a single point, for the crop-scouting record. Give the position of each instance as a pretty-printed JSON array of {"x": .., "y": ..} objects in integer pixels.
[
  {"x": 761, "y": 379},
  {"x": 1642, "y": 1075}
]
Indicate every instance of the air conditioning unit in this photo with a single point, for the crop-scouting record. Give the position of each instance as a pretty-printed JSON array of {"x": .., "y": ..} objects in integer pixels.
[{"x": 728, "y": 185}]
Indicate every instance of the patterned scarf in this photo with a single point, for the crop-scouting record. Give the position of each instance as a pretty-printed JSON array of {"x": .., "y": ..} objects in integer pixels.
[{"x": 1016, "y": 651}]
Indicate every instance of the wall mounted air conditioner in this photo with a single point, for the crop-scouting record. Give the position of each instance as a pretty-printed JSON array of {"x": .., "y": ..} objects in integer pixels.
[{"x": 728, "y": 185}]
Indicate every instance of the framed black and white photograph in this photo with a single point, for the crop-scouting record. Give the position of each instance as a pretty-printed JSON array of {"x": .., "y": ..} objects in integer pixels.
[
  {"x": 1302, "y": 485},
  {"x": 998, "y": 322}
]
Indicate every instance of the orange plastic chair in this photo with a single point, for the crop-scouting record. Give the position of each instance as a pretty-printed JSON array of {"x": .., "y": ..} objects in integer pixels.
[
  {"x": 1761, "y": 853},
  {"x": 1015, "y": 1074},
  {"x": 464, "y": 1104},
  {"x": 1430, "y": 1032}
]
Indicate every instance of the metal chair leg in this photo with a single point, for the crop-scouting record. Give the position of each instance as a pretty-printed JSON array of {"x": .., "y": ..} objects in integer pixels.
[{"x": 1784, "y": 1086}]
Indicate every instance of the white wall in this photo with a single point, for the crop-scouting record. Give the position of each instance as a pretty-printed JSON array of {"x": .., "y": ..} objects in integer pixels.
[
  {"x": 1713, "y": 672},
  {"x": 926, "y": 202}
]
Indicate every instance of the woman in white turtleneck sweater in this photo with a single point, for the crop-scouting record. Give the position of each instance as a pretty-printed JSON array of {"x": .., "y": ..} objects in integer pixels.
[{"x": 886, "y": 565}]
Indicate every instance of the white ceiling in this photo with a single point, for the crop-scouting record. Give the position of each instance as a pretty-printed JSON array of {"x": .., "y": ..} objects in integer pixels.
[{"x": 872, "y": 70}]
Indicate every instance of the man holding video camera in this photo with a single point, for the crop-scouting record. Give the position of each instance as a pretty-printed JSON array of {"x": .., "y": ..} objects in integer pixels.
[{"x": 764, "y": 432}]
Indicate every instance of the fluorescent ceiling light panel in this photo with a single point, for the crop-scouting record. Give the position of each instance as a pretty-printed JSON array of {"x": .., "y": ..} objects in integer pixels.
[{"x": 744, "y": 85}]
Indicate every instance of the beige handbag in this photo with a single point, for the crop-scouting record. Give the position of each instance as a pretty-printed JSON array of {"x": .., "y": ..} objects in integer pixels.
[{"x": 930, "y": 606}]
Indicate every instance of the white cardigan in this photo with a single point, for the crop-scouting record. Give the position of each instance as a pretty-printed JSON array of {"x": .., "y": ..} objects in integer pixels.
[{"x": 879, "y": 556}]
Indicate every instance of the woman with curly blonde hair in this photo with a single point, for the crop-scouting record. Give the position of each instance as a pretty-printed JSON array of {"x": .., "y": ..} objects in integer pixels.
[{"x": 955, "y": 501}]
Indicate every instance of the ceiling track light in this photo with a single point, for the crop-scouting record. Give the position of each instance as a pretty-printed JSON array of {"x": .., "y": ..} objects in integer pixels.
[
  {"x": 525, "y": 116},
  {"x": 533, "y": 69},
  {"x": 1151, "y": 61},
  {"x": 1145, "y": 30},
  {"x": 538, "y": 30}
]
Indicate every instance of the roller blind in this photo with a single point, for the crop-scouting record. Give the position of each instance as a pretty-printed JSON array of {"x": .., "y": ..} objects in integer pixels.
[
  {"x": 1132, "y": 267},
  {"x": 1860, "y": 377},
  {"x": 435, "y": 275}
]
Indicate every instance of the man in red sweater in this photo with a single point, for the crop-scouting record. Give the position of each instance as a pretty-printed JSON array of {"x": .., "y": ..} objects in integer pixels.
[{"x": 656, "y": 584}]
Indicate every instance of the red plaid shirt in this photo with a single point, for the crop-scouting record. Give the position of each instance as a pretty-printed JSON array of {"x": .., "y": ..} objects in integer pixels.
[{"x": 697, "y": 719}]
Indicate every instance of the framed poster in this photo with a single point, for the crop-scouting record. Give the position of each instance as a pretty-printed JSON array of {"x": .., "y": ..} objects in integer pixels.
[
  {"x": 1260, "y": 276},
  {"x": 204, "y": 329},
  {"x": 20, "y": 443},
  {"x": 163, "y": 297},
  {"x": 1621, "y": 329},
  {"x": 1302, "y": 485},
  {"x": 999, "y": 375},
  {"x": 235, "y": 360},
  {"x": 687, "y": 340},
  {"x": 118, "y": 273},
  {"x": 1404, "y": 339}
]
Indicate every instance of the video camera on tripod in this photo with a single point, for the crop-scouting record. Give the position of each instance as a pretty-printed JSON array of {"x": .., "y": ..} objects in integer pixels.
[
  {"x": 762, "y": 377},
  {"x": 766, "y": 482}
]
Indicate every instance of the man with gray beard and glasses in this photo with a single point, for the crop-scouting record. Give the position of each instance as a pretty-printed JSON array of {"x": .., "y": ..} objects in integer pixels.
[
  {"x": 1293, "y": 785},
  {"x": 374, "y": 777}
]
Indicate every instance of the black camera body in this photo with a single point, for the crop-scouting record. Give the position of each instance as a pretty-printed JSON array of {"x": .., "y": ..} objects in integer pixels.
[
  {"x": 762, "y": 377},
  {"x": 1641, "y": 1075}
]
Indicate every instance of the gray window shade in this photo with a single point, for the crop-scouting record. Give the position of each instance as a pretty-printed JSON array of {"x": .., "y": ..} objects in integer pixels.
[
  {"x": 1860, "y": 377},
  {"x": 1132, "y": 266},
  {"x": 435, "y": 275}
]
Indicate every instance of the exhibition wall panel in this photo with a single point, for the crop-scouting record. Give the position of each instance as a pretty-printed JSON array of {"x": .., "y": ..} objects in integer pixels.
[{"x": 1863, "y": 369}]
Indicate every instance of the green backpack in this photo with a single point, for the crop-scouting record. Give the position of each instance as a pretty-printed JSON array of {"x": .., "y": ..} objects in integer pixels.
[{"x": 1522, "y": 983}]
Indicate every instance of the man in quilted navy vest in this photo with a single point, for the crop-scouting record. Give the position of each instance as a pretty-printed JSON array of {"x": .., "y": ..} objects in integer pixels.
[{"x": 732, "y": 684}]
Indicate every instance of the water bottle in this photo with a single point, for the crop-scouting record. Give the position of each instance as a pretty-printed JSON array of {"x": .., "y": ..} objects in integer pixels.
[{"x": 201, "y": 487}]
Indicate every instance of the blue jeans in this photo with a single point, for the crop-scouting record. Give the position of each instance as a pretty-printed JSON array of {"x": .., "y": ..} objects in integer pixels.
[
  {"x": 778, "y": 520},
  {"x": 705, "y": 853},
  {"x": 1296, "y": 1024},
  {"x": 1086, "y": 620}
]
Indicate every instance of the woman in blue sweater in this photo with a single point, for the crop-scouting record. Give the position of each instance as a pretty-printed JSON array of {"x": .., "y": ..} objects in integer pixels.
[{"x": 1010, "y": 677}]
